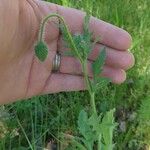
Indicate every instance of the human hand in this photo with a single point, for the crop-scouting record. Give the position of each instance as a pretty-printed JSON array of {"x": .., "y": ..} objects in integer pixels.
[{"x": 23, "y": 76}]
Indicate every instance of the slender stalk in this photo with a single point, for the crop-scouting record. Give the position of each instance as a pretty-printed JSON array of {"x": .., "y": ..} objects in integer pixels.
[
  {"x": 90, "y": 90},
  {"x": 99, "y": 142},
  {"x": 85, "y": 72},
  {"x": 30, "y": 145},
  {"x": 41, "y": 33},
  {"x": 93, "y": 103}
]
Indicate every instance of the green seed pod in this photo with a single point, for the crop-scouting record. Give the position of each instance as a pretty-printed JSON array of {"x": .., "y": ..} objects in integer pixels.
[{"x": 41, "y": 50}]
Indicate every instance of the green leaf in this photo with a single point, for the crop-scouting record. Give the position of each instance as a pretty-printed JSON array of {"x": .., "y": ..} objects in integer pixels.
[
  {"x": 97, "y": 129},
  {"x": 103, "y": 128},
  {"x": 101, "y": 82},
  {"x": 87, "y": 35},
  {"x": 85, "y": 130},
  {"x": 41, "y": 50},
  {"x": 108, "y": 125},
  {"x": 82, "y": 41},
  {"x": 65, "y": 36},
  {"x": 81, "y": 45},
  {"x": 86, "y": 23},
  {"x": 99, "y": 63},
  {"x": 67, "y": 42},
  {"x": 83, "y": 126},
  {"x": 144, "y": 110},
  {"x": 94, "y": 121}
]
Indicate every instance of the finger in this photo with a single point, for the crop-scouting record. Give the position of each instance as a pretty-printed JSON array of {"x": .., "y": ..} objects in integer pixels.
[
  {"x": 110, "y": 35},
  {"x": 117, "y": 76},
  {"x": 115, "y": 58},
  {"x": 64, "y": 82},
  {"x": 70, "y": 65}
]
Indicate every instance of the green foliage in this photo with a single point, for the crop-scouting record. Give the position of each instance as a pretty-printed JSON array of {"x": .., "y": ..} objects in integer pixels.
[
  {"x": 41, "y": 50},
  {"x": 81, "y": 41},
  {"x": 96, "y": 129},
  {"x": 66, "y": 39},
  {"x": 107, "y": 128},
  {"x": 97, "y": 66},
  {"x": 99, "y": 83},
  {"x": 87, "y": 35},
  {"x": 143, "y": 127},
  {"x": 85, "y": 130},
  {"x": 144, "y": 111}
]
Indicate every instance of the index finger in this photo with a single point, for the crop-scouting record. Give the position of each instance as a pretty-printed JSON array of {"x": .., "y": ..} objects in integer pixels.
[{"x": 109, "y": 34}]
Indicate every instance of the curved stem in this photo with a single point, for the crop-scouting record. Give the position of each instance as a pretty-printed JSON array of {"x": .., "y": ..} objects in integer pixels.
[{"x": 41, "y": 33}]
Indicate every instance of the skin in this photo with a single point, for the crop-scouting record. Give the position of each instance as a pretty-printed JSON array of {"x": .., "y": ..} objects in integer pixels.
[{"x": 23, "y": 76}]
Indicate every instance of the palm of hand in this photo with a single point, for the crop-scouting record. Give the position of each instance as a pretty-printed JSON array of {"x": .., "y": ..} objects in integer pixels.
[{"x": 21, "y": 70}]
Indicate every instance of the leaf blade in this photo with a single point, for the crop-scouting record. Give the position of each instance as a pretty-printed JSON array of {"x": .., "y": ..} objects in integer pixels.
[{"x": 99, "y": 63}]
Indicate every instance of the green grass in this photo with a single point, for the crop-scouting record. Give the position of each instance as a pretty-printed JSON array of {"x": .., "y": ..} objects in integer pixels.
[{"x": 32, "y": 124}]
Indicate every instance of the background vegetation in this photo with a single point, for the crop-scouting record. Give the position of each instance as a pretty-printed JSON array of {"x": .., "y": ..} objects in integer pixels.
[{"x": 34, "y": 123}]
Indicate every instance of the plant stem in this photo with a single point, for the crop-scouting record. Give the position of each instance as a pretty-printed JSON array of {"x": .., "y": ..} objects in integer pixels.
[
  {"x": 93, "y": 103},
  {"x": 85, "y": 72},
  {"x": 88, "y": 84},
  {"x": 83, "y": 62},
  {"x": 99, "y": 142},
  {"x": 30, "y": 145},
  {"x": 41, "y": 33}
]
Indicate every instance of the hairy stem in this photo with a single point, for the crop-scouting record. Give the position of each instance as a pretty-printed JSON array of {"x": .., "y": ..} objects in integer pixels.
[
  {"x": 99, "y": 142},
  {"x": 93, "y": 103},
  {"x": 88, "y": 84}
]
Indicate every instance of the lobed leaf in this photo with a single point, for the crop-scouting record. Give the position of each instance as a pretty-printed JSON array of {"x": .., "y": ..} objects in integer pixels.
[
  {"x": 85, "y": 130},
  {"x": 103, "y": 128},
  {"x": 65, "y": 36},
  {"x": 101, "y": 82},
  {"x": 99, "y": 63},
  {"x": 83, "y": 126},
  {"x": 108, "y": 125},
  {"x": 87, "y": 34},
  {"x": 94, "y": 121}
]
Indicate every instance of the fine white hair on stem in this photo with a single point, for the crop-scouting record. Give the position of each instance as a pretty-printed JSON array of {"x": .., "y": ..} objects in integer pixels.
[{"x": 43, "y": 32}]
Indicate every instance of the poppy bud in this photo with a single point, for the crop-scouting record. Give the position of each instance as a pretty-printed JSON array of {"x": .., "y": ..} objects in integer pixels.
[{"x": 41, "y": 50}]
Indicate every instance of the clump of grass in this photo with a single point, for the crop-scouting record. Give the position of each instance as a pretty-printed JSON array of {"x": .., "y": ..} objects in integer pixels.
[{"x": 144, "y": 121}]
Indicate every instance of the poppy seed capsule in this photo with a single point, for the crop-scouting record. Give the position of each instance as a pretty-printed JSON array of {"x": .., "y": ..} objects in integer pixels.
[{"x": 41, "y": 51}]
